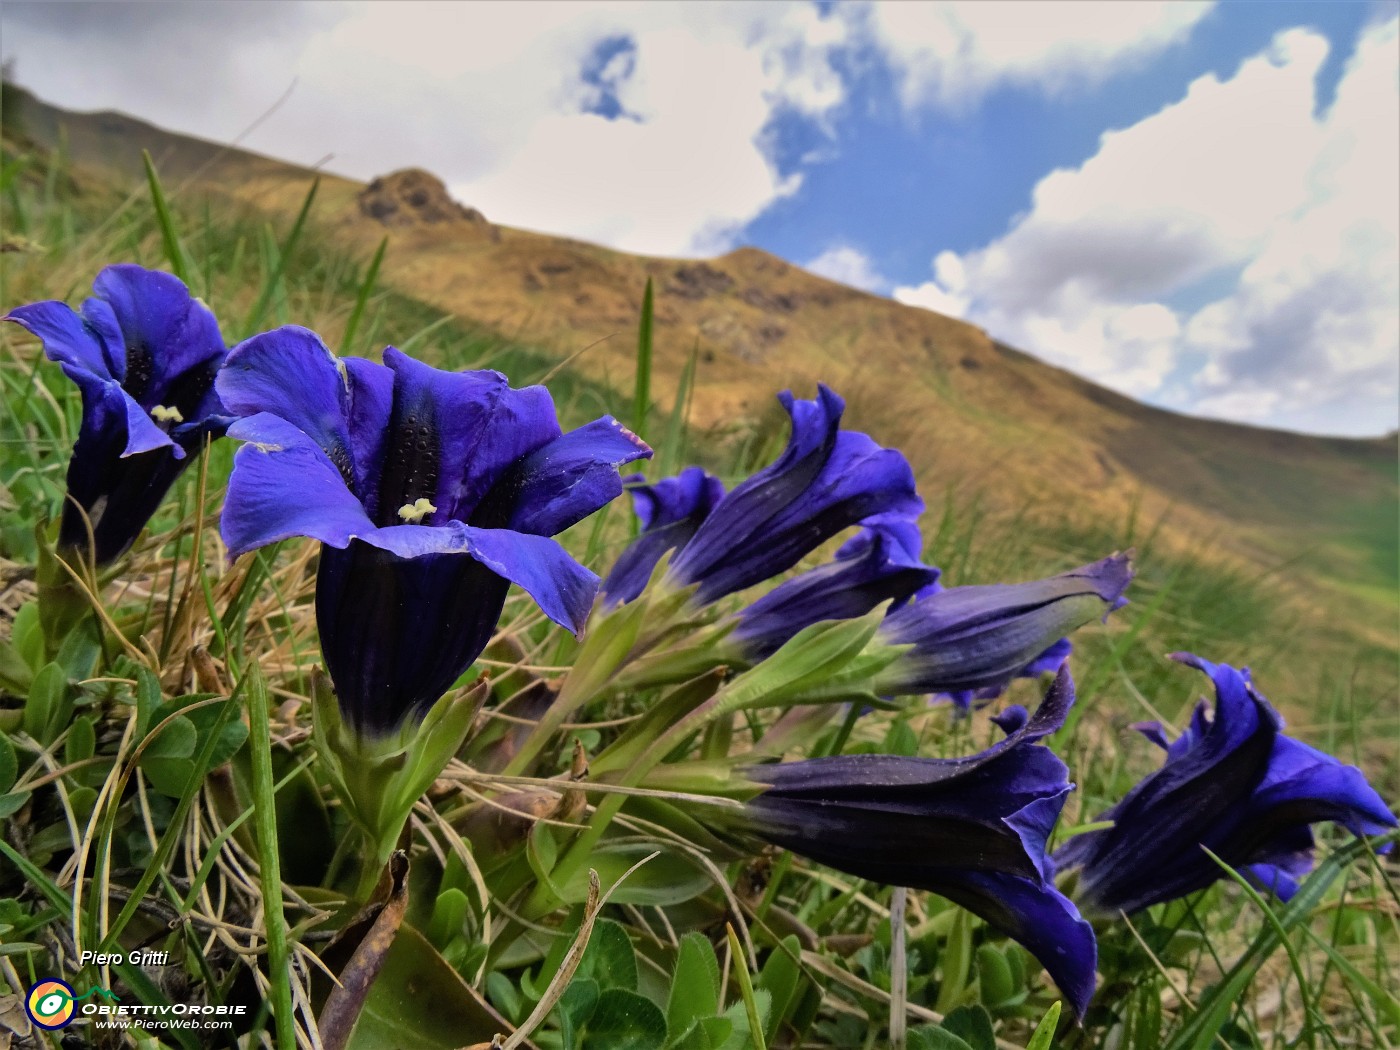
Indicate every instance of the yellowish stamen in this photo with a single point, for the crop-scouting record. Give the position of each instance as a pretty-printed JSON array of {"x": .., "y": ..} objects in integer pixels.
[
  {"x": 415, "y": 512},
  {"x": 162, "y": 414}
]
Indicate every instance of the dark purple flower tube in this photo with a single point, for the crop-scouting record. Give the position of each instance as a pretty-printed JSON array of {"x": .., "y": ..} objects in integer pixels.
[
  {"x": 1232, "y": 783},
  {"x": 144, "y": 354},
  {"x": 669, "y": 512},
  {"x": 430, "y": 491},
  {"x": 826, "y": 479},
  {"x": 980, "y": 638},
  {"x": 879, "y": 564},
  {"x": 971, "y": 829}
]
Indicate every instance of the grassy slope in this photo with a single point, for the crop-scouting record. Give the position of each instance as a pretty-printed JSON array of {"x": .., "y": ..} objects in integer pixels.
[{"x": 985, "y": 423}]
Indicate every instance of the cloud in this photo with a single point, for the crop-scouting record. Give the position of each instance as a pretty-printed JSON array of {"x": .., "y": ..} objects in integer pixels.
[
  {"x": 1289, "y": 214},
  {"x": 647, "y": 127},
  {"x": 849, "y": 265},
  {"x": 950, "y": 54}
]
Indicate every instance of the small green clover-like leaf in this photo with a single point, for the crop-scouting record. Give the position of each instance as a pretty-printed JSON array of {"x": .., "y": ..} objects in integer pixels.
[
  {"x": 694, "y": 986},
  {"x": 610, "y": 959},
  {"x": 625, "y": 1020},
  {"x": 168, "y": 758}
]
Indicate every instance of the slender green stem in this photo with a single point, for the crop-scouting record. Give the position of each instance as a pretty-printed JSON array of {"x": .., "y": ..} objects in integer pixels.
[{"x": 270, "y": 868}]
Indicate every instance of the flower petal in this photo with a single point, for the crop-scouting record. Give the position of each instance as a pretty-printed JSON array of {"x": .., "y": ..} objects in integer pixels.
[
  {"x": 284, "y": 485},
  {"x": 669, "y": 511},
  {"x": 563, "y": 482},
  {"x": 472, "y": 425},
  {"x": 69, "y": 338},
  {"x": 166, "y": 333},
  {"x": 874, "y": 567},
  {"x": 981, "y": 637},
  {"x": 290, "y": 373},
  {"x": 825, "y": 480}
]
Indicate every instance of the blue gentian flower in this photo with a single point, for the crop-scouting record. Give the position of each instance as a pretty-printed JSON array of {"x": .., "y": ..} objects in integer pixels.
[
  {"x": 1048, "y": 661},
  {"x": 978, "y": 638},
  {"x": 1233, "y": 783},
  {"x": 825, "y": 480},
  {"x": 430, "y": 491},
  {"x": 144, "y": 353},
  {"x": 881, "y": 563},
  {"x": 971, "y": 829},
  {"x": 669, "y": 512}
]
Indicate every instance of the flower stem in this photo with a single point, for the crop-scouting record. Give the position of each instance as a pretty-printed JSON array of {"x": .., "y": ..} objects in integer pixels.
[{"x": 269, "y": 863}]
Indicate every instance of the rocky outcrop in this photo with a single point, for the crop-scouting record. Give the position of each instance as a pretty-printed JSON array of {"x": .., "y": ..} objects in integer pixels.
[{"x": 414, "y": 197}]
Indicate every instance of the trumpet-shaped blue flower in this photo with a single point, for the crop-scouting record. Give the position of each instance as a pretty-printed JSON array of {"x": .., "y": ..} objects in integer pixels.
[
  {"x": 825, "y": 480},
  {"x": 879, "y": 564},
  {"x": 971, "y": 829},
  {"x": 977, "y": 639},
  {"x": 430, "y": 491},
  {"x": 669, "y": 513},
  {"x": 143, "y": 353},
  {"x": 1232, "y": 783}
]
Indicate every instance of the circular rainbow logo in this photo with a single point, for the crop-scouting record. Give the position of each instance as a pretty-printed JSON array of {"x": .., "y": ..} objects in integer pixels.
[{"x": 50, "y": 1004}]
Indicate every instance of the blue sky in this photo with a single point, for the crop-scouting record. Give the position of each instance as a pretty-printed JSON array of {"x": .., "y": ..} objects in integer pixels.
[{"x": 1197, "y": 204}]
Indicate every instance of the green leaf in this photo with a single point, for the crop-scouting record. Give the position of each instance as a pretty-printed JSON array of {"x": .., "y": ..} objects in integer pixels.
[
  {"x": 779, "y": 976},
  {"x": 755, "y": 1014},
  {"x": 973, "y": 1025},
  {"x": 625, "y": 1020},
  {"x": 955, "y": 961},
  {"x": 1044, "y": 1033},
  {"x": 931, "y": 1037},
  {"x": 994, "y": 976},
  {"x": 9, "y": 764},
  {"x": 80, "y": 745},
  {"x": 900, "y": 740},
  {"x": 27, "y": 636},
  {"x": 449, "y": 917},
  {"x": 694, "y": 985},
  {"x": 610, "y": 959},
  {"x": 147, "y": 701},
  {"x": 168, "y": 759},
  {"x": 669, "y": 879},
  {"x": 15, "y": 673},
  {"x": 10, "y": 804},
  {"x": 49, "y": 705},
  {"x": 419, "y": 1001},
  {"x": 741, "y": 1036},
  {"x": 80, "y": 649},
  {"x": 576, "y": 1008}
]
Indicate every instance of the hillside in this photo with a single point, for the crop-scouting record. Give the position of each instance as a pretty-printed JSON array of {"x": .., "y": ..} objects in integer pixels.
[{"x": 977, "y": 418}]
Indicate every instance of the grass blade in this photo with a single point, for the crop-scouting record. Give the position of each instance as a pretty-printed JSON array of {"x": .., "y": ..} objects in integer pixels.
[
  {"x": 269, "y": 863},
  {"x": 274, "y": 278},
  {"x": 641, "y": 397},
  {"x": 352, "y": 326},
  {"x": 174, "y": 251}
]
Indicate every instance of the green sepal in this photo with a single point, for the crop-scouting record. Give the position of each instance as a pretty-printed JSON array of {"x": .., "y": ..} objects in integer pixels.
[
  {"x": 829, "y": 662},
  {"x": 380, "y": 778},
  {"x": 63, "y": 605}
]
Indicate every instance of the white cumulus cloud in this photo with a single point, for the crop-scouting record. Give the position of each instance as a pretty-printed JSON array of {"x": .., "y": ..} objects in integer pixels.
[
  {"x": 492, "y": 97},
  {"x": 1289, "y": 214},
  {"x": 849, "y": 265},
  {"x": 950, "y": 54}
]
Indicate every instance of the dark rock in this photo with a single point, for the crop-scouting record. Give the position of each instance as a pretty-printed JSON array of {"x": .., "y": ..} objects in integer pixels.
[
  {"x": 414, "y": 197},
  {"x": 698, "y": 280}
]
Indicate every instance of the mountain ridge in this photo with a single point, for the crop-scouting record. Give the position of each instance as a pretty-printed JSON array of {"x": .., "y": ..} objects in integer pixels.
[{"x": 975, "y": 415}]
